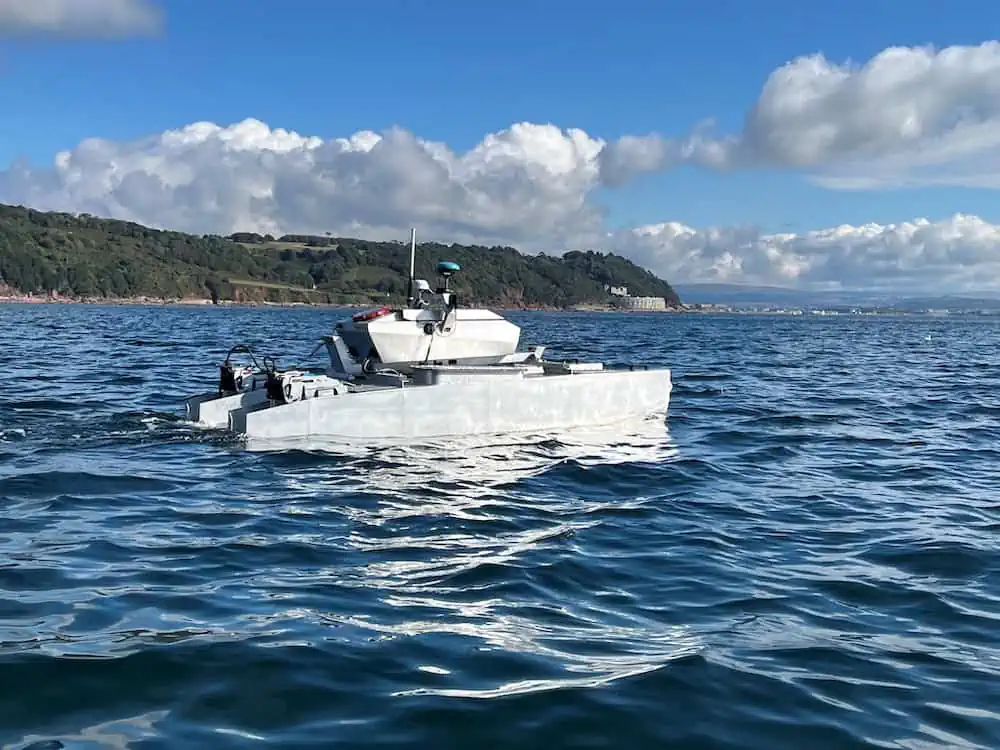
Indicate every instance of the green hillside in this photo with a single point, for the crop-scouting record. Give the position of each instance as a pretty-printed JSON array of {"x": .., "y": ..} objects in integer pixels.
[{"x": 87, "y": 257}]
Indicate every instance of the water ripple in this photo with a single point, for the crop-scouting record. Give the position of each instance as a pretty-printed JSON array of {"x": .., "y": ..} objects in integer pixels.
[{"x": 804, "y": 555}]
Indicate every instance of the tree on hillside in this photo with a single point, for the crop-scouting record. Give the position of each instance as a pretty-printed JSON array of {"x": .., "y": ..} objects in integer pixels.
[{"x": 88, "y": 256}]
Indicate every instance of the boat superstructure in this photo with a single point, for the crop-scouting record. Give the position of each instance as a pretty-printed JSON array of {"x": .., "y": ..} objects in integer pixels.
[
  {"x": 427, "y": 369},
  {"x": 431, "y": 329}
]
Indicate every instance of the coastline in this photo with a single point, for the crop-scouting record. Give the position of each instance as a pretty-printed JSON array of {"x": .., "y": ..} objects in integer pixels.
[
  {"x": 692, "y": 309},
  {"x": 28, "y": 299}
]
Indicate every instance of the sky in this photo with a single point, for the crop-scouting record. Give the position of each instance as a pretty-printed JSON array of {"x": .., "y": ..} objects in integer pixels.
[{"x": 842, "y": 145}]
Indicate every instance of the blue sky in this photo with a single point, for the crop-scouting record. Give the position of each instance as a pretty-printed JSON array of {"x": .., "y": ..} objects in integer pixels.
[{"x": 454, "y": 71}]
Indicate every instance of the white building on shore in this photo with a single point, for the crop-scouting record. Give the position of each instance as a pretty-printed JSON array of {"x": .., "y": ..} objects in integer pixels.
[
  {"x": 643, "y": 303},
  {"x": 627, "y": 302}
]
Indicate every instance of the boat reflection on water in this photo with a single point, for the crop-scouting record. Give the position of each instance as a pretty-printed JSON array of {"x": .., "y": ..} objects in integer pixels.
[
  {"x": 481, "y": 461},
  {"x": 469, "y": 544}
]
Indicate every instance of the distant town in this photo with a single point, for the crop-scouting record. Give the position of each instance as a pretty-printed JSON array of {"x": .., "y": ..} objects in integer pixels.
[
  {"x": 857, "y": 311},
  {"x": 741, "y": 299}
]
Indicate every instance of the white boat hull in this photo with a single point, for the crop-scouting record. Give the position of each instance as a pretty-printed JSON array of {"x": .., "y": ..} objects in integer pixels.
[
  {"x": 500, "y": 402},
  {"x": 210, "y": 410}
]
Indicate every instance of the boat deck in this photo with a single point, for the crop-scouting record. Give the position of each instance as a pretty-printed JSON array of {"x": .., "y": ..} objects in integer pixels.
[{"x": 434, "y": 374}]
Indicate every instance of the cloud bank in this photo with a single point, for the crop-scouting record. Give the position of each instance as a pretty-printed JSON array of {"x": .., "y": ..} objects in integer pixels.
[
  {"x": 961, "y": 253},
  {"x": 908, "y": 116},
  {"x": 78, "y": 18},
  {"x": 521, "y": 185}
]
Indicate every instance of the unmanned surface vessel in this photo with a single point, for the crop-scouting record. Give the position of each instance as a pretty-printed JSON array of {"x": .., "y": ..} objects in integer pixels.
[{"x": 429, "y": 369}]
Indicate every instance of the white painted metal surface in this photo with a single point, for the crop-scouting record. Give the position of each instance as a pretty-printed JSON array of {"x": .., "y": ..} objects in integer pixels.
[
  {"x": 467, "y": 403},
  {"x": 209, "y": 410},
  {"x": 470, "y": 334}
]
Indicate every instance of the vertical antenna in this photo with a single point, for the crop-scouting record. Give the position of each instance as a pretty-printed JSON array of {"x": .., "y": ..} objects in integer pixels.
[{"x": 413, "y": 260}]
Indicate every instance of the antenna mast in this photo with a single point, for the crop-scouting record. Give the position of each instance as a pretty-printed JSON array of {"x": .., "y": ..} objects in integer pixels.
[{"x": 413, "y": 261}]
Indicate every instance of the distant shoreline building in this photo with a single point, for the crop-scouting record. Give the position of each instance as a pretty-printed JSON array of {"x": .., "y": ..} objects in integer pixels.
[
  {"x": 643, "y": 303},
  {"x": 627, "y": 302}
]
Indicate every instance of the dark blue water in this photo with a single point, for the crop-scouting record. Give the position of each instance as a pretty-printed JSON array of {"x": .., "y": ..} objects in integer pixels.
[{"x": 805, "y": 556}]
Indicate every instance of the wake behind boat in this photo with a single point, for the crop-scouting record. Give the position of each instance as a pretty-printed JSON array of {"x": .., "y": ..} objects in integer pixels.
[{"x": 429, "y": 369}]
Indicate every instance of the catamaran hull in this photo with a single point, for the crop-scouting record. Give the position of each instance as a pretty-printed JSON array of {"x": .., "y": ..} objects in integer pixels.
[
  {"x": 211, "y": 410},
  {"x": 476, "y": 406}
]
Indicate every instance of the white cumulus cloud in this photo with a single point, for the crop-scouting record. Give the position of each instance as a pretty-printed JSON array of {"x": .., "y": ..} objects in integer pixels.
[
  {"x": 518, "y": 185},
  {"x": 953, "y": 255},
  {"x": 78, "y": 18},
  {"x": 908, "y": 116},
  {"x": 528, "y": 185}
]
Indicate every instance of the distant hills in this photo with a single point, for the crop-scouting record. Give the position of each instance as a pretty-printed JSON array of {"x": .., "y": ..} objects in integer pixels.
[
  {"x": 949, "y": 302},
  {"x": 89, "y": 257},
  {"x": 729, "y": 294},
  {"x": 740, "y": 295}
]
